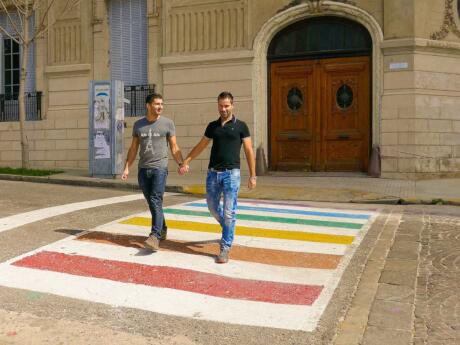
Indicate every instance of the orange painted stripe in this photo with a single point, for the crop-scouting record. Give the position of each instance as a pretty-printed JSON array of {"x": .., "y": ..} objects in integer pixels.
[{"x": 211, "y": 248}]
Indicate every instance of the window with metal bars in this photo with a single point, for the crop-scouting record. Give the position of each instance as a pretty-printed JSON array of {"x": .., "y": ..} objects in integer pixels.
[
  {"x": 9, "y": 105},
  {"x": 128, "y": 51}
]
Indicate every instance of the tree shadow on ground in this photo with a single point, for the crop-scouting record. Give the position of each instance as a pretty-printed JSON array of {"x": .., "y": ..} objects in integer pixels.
[{"x": 205, "y": 248}]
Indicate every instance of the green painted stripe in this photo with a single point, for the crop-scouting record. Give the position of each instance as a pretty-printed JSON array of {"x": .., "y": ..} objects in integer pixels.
[
  {"x": 315, "y": 222},
  {"x": 246, "y": 231}
]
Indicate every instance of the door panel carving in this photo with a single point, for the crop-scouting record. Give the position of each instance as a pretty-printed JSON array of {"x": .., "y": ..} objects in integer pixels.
[
  {"x": 346, "y": 126},
  {"x": 292, "y": 127},
  {"x": 320, "y": 115}
]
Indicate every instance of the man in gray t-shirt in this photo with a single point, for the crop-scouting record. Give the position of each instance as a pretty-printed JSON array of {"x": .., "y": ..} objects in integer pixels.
[
  {"x": 153, "y": 141},
  {"x": 152, "y": 135}
]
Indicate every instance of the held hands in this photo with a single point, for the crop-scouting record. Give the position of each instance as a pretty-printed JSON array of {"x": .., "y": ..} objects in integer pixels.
[{"x": 183, "y": 169}]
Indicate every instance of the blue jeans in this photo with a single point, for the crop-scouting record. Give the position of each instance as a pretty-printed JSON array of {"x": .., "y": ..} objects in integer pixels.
[
  {"x": 153, "y": 183},
  {"x": 226, "y": 184}
]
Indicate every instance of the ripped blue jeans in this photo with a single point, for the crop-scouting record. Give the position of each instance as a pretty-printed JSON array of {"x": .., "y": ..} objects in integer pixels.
[{"x": 225, "y": 185}]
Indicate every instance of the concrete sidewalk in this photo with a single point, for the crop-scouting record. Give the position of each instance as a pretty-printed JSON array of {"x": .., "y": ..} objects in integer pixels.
[{"x": 331, "y": 187}]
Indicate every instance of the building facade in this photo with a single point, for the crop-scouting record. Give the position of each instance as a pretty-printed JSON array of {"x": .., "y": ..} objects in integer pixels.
[{"x": 323, "y": 85}]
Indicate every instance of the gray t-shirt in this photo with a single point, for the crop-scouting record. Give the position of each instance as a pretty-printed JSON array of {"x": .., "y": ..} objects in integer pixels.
[{"x": 153, "y": 139}]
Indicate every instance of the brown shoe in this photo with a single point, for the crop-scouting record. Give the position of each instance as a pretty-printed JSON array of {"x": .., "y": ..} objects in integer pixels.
[
  {"x": 152, "y": 242},
  {"x": 222, "y": 258}
]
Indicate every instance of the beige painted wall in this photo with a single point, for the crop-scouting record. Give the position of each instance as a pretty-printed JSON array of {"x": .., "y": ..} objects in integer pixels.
[
  {"x": 420, "y": 117},
  {"x": 428, "y": 18},
  {"x": 191, "y": 91},
  {"x": 398, "y": 18}
]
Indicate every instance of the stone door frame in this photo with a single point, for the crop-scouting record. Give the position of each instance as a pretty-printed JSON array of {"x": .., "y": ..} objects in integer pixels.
[{"x": 294, "y": 14}]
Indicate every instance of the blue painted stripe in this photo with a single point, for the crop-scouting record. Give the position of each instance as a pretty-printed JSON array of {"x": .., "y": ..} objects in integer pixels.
[{"x": 290, "y": 211}]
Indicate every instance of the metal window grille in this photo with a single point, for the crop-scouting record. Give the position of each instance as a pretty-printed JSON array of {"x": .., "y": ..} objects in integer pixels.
[
  {"x": 136, "y": 95},
  {"x": 128, "y": 41},
  {"x": 9, "y": 106}
]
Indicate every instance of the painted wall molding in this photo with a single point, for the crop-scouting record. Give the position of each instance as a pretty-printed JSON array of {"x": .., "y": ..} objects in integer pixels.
[
  {"x": 449, "y": 24},
  {"x": 314, "y": 5},
  {"x": 421, "y": 44}
]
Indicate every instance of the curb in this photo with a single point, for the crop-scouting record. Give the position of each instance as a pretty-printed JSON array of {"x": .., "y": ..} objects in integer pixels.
[
  {"x": 98, "y": 183},
  {"x": 70, "y": 182},
  {"x": 193, "y": 190},
  {"x": 435, "y": 201},
  {"x": 384, "y": 201}
]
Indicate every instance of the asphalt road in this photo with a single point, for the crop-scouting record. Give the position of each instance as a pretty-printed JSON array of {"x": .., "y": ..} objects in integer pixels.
[{"x": 31, "y": 317}]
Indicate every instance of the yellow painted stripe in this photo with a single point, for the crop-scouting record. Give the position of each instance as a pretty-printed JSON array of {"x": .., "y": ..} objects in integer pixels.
[{"x": 247, "y": 231}]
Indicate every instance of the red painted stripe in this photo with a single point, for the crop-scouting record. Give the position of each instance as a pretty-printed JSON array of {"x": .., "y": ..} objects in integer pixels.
[{"x": 174, "y": 278}]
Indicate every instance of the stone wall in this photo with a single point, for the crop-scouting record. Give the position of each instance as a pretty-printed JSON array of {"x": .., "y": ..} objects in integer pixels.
[
  {"x": 199, "y": 26},
  {"x": 420, "y": 112},
  {"x": 198, "y": 48},
  {"x": 205, "y": 52},
  {"x": 191, "y": 91}
]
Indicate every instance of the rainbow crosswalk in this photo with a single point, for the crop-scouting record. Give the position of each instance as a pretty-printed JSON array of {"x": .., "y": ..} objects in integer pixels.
[{"x": 286, "y": 262}]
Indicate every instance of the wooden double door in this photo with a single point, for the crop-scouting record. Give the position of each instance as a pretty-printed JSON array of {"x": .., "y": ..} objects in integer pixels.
[{"x": 320, "y": 114}]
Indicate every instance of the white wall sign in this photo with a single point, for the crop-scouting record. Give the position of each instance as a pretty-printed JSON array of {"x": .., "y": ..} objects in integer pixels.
[{"x": 398, "y": 65}]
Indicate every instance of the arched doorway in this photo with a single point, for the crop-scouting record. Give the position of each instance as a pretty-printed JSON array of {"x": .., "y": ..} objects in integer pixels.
[{"x": 319, "y": 96}]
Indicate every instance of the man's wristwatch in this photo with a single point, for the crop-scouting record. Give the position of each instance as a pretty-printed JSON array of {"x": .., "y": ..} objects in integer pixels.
[{"x": 253, "y": 178}]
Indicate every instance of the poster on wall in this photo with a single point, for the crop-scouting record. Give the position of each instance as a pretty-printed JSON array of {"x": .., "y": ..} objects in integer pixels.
[
  {"x": 101, "y": 145},
  {"x": 101, "y": 106}
]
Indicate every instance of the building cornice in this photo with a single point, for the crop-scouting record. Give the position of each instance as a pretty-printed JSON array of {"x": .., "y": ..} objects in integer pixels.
[
  {"x": 314, "y": 5},
  {"x": 210, "y": 58},
  {"x": 68, "y": 69},
  {"x": 420, "y": 44}
]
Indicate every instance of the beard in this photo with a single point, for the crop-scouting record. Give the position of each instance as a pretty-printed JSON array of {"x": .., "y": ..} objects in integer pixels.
[{"x": 225, "y": 114}]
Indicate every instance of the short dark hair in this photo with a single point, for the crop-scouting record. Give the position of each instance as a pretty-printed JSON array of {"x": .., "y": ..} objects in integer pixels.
[
  {"x": 152, "y": 96},
  {"x": 225, "y": 95}
]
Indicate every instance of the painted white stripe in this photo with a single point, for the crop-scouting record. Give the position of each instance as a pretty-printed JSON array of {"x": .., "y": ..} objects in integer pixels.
[
  {"x": 277, "y": 215},
  {"x": 256, "y": 242},
  {"x": 183, "y": 303},
  {"x": 323, "y": 300},
  {"x": 11, "y": 222},
  {"x": 302, "y": 208},
  {"x": 162, "y": 300},
  {"x": 200, "y": 263},
  {"x": 145, "y": 214}
]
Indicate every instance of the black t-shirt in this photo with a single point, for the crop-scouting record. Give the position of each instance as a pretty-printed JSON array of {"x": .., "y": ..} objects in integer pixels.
[{"x": 226, "y": 143}]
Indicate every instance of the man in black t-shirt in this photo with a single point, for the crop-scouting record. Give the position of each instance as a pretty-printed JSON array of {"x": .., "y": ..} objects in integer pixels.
[{"x": 223, "y": 178}]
